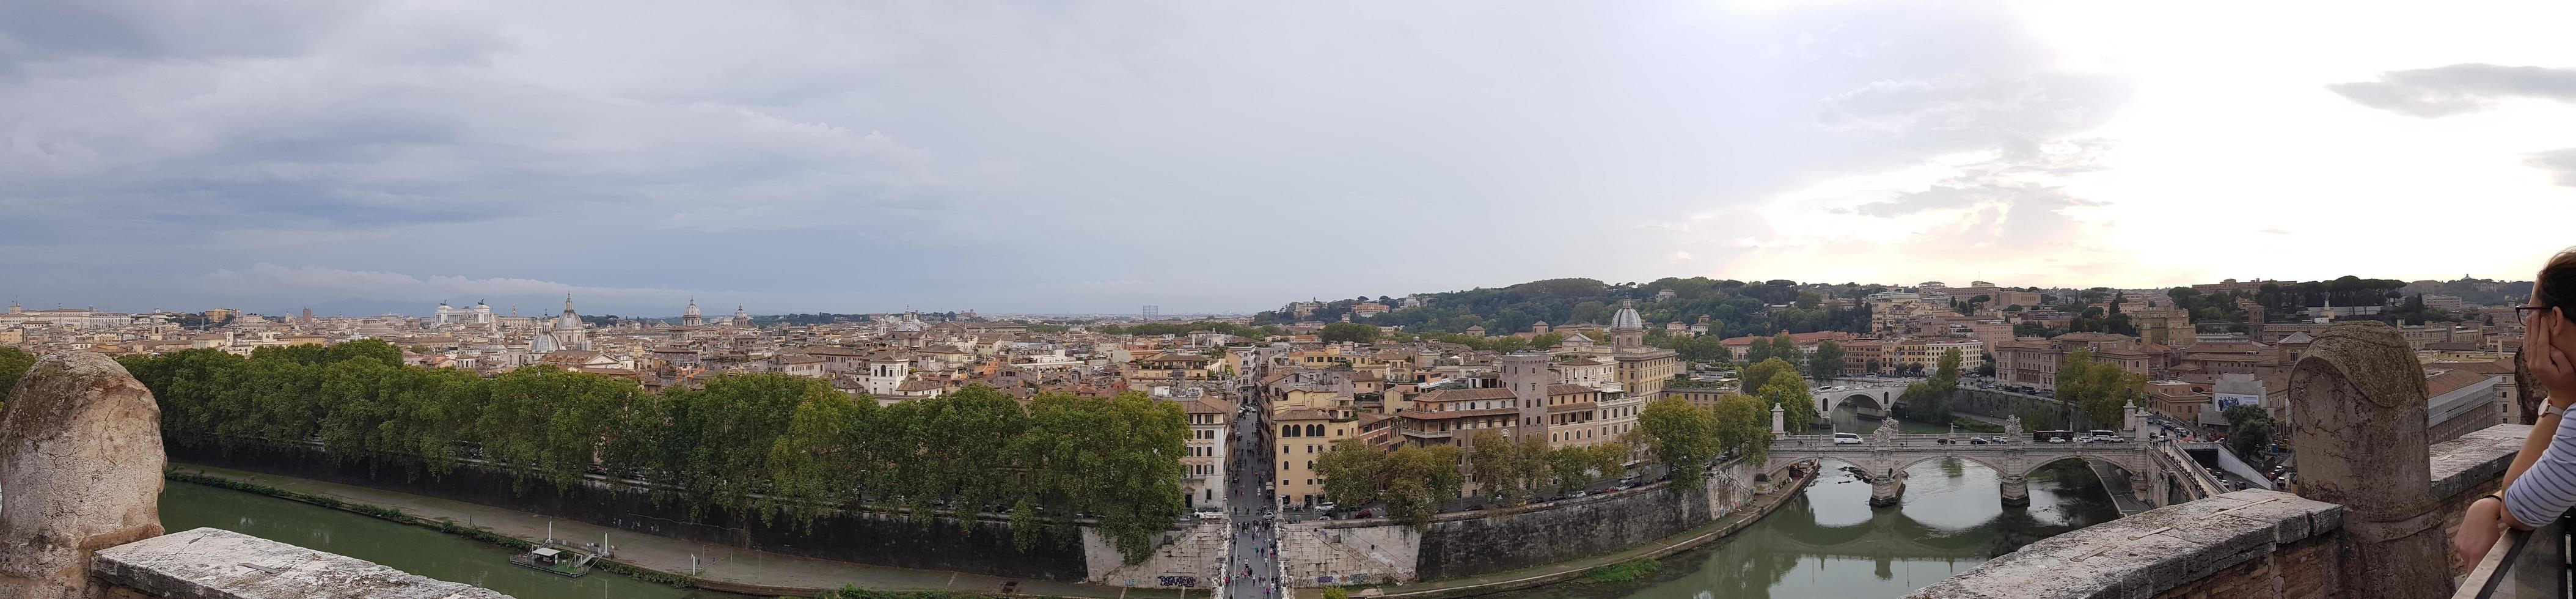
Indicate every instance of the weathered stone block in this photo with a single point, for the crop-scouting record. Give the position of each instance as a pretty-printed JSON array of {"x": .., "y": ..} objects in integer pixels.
[
  {"x": 80, "y": 455},
  {"x": 209, "y": 563}
]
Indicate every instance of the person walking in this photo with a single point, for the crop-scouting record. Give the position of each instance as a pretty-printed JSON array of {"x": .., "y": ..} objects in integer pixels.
[{"x": 2549, "y": 351}]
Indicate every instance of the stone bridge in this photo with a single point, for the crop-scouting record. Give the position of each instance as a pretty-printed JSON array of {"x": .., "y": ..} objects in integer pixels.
[
  {"x": 1882, "y": 458},
  {"x": 1869, "y": 398}
]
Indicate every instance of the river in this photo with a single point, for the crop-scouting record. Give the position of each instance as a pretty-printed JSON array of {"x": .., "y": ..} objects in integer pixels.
[
  {"x": 1830, "y": 544},
  {"x": 408, "y": 548}
]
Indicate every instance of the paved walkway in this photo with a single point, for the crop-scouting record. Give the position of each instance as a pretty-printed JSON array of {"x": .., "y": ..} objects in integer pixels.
[
  {"x": 1527, "y": 577},
  {"x": 714, "y": 562}
]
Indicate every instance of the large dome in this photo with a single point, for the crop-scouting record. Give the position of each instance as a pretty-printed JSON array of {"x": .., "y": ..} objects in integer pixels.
[{"x": 1627, "y": 317}]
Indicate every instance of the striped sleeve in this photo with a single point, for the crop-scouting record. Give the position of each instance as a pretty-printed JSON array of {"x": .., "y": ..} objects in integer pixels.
[{"x": 2549, "y": 487}]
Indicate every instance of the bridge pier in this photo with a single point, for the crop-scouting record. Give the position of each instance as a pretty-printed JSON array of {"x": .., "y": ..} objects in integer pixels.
[
  {"x": 2016, "y": 490},
  {"x": 1886, "y": 488}
]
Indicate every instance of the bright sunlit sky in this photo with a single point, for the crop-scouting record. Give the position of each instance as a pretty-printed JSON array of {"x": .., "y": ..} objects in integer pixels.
[{"x": 1090, "y": 157}]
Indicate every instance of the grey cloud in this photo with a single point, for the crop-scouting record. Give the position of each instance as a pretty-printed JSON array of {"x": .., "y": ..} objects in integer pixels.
[
  {"x": 2033, "y": 106},
  {"x": 993, "y": 155},
  {"x": 2460, "y": 88},
  {"x": 2560, "y": 163}
]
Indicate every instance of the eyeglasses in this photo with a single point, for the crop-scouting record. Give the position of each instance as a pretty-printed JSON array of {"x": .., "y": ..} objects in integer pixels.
[{"x": 2519, "y": 310}]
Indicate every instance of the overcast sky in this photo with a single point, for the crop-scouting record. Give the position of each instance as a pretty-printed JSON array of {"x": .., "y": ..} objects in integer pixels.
[{"x": 1231, "y": 156}]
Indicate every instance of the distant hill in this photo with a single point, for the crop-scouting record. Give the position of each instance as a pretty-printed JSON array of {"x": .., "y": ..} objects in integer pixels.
[{"x": 1733, "y": 307}]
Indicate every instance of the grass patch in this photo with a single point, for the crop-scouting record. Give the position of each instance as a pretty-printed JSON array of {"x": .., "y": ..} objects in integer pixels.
[{"x": 1622, "y": 572}]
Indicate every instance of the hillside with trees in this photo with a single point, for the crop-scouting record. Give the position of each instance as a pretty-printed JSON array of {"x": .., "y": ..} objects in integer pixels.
[{"x": 1732, "y": 307}]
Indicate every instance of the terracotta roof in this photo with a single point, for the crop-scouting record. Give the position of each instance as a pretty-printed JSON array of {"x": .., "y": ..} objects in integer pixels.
[
  {"x": 1445, "y": 395},
  {"x": 1301, "y": 414},
  {"x": 2452, "y": 380},
  {"x": 1454, "y": 414}
]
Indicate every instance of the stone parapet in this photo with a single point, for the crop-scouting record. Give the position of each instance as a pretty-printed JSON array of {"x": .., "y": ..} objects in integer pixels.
[
  {"x": 2251, "y": 543},
  {"x": 210, "y": 563}
]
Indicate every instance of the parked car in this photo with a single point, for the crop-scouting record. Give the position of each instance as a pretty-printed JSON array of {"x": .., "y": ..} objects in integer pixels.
[{"x": 1846, "y": 439}]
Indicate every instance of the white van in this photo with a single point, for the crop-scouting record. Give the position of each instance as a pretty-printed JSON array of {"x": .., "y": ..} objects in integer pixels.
[{"x": 1846, "y": 439}]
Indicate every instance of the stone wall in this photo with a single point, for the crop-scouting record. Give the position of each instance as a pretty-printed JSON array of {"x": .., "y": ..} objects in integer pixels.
[
  {"x": 2248, "y": 544},
  {"x": 983, "y": 546},
  {"x": 1471, "y": 543},
  {"x": 2001, "y": 404},
  {"x": 1184, "y": 558},
  {"x": 1372, "y": 551}
]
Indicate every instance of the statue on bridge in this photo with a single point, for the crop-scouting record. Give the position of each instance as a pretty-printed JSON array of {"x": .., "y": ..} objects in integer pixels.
[
  {"x": 2012, "y": 427},
  {"x": 1886, "y": 433}
]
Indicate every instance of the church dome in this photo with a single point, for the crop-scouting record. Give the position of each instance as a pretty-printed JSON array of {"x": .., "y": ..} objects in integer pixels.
[{"x": 1627, "y": 317}]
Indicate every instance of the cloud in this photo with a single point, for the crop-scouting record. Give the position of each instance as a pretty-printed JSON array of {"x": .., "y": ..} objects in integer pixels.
[
  {"x": 2274, "y": 231},
  {"x": 2457, "y": 89},
  {"x": 332, "y": 283},
  {"x": 2024, "y": 106},
  {"x": 2560, "y": 163}
]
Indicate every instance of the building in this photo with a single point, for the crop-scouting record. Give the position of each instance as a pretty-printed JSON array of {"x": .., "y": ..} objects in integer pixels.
[
  {"x": 1928, "y": 352},
  {"x": 1203, "y": 469},
  {"x": 1528, "y": 377},
  {"x": 1572, "y": 411},
  {"x": 1304, "y": 435},
  {"x": 479, "y": 314},
  {"x": 1641, "y": 369},
  {"x": 567, "y": 333},
  {"x": 691, "y": 317}
]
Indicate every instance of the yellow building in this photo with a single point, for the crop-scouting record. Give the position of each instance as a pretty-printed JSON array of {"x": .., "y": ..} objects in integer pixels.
[{"x": 1303, "y": 435}]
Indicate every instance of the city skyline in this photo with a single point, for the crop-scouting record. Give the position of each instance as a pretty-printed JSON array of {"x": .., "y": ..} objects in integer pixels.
[{"x": 1092, "y": 158}]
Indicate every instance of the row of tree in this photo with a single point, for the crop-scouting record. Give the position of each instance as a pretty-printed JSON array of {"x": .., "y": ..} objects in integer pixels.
[
  {"x": 763, "y": 444},
  {"x": 1513, "y": 471},
  {"x": 1410, "y": 481}
]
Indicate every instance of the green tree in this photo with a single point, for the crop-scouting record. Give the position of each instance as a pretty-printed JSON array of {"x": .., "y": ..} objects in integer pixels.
[
  {"x": 2100, "y": 389},
  {"x": 1350, "y": 331},
  {"x": 1683, "y": 437},
  {"x": 1354, "y": 472},
  {"x": 1744, "y": 426},
  {"x": 1786, "y": 348},
  {"x": 2249, "y": 428},
  {"x": 1419, "y": 480},
  {"x": 1751, "y": 378},
  {"x": 1757, "y": 351},
  {"x": 1827, "y": 362},
  {"x": 1571, "y": 467},
  {"x": 1797, "y": 404},
  {"x": 1546, "y": 341},
  {"x": 13, "y": 364}
]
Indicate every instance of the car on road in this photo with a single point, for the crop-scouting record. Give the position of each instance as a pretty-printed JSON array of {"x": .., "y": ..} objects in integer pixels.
[
  {"x": 1974, "y": 440},
  {"x": 2055, "y": 439},
  {"x": 1846, "y": 439}
]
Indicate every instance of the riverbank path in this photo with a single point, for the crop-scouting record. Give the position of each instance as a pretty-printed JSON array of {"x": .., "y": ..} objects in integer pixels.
[{"x": 714, "y": 562}]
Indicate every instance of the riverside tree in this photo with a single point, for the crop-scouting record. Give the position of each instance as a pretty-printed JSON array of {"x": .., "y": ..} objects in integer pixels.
[
  {"x": 759, "y": 445},
  {"x": 1684, "y": 437}
]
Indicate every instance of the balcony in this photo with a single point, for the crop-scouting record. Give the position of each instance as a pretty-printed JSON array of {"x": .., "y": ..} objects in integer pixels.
[{"x": 2524, "y": 565}]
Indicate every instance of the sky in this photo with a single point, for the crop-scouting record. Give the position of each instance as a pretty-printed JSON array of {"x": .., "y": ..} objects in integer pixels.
[{"x": 1218, "y": 157}]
